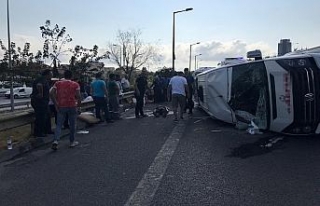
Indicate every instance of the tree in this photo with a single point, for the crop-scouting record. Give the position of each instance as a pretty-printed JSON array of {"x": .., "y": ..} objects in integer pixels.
[
  {"x": 24, "y": 63},
  {"x": 83, "y": 58},
  {"x": 135, "y": 52},
  {"x": 55, "y": 39}
]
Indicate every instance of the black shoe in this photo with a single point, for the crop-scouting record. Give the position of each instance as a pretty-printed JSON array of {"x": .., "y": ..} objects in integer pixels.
[
  {"x": 144, "y": 115},
  {"x": 54, "y": 145},
  {"x": 137, "y": 116}
]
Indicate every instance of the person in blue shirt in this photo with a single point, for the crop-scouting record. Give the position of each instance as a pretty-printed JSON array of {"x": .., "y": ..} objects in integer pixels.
[{"x": 100, "y": 95}]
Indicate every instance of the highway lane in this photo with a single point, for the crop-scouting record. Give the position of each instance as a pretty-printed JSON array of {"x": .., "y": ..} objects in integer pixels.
[{"x": 208, "y": 163}]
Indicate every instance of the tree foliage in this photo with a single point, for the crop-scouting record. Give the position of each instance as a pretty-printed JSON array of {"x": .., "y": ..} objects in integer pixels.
[
  {"x": 83, "y": 58},
  {"x": 135, "y": 53},
  {"x": 24, "y": 63},
  {"x": 54, "y": 40}
]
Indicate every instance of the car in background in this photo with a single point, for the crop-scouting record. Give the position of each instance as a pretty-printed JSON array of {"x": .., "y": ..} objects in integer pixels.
[
  {"x": 5, "y": 87},
  {"x": 20, "y": 92}
]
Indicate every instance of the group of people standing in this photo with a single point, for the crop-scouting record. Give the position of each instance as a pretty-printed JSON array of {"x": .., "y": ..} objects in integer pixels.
[
  {"x": 160, "y": 86},
  {"x": 105, "y": 96},
  {"x": 65, "y": 96}
]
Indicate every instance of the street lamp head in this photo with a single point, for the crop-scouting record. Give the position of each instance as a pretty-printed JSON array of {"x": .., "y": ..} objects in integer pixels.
[
  {"x": 189, "y": 9},
  {"x": 194, "y": 44}
]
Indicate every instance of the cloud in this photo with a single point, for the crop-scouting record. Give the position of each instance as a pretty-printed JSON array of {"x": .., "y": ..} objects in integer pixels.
[
  {"x": 212, "y": 52},
  {"x": 35, "y": 43},
  {"x": 20, "y": 40}
]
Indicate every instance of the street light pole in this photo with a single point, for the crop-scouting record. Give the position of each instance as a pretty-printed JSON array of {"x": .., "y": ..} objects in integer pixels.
[
  {"x": 190, "y": 54},
  {"x": 295, "y": 49},
  {"x": 195, "y": 61},
  {"x": 9, "y": 62},
  {"x": 173, "y": 34}
]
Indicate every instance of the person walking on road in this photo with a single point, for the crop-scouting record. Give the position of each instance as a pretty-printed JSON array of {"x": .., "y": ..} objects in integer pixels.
[
  {"x": 178, "y": 88},
  {"x": 66, "y": 97},
  {"x": 141, "y": 86},
  {"x": 40, "y": 103}
]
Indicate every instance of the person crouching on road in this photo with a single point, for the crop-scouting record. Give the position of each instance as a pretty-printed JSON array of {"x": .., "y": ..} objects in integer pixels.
[
  {"x": 178, "y": 88},
  {"x": 100, "y": 98},
  {"x": 66, "y": 97}
]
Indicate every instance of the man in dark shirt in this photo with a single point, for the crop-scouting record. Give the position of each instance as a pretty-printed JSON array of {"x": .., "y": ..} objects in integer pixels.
[
  {"x": 40, "y": 102},
  {"x": 190, "y": 81},
  {"x": 140, "y": 90}
]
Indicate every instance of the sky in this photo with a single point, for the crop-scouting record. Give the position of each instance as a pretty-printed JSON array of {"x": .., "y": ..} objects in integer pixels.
[{"x": 224, "y": 28}]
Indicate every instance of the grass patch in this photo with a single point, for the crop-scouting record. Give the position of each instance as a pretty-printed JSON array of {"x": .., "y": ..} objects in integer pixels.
[{"x": 19, "y": 135}]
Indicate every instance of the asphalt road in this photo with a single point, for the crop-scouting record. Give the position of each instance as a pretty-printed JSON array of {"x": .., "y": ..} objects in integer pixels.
[{"x": 152, "y": 161}]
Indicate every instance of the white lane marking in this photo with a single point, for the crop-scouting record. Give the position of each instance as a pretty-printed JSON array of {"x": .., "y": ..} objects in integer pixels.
[{"x": 148, "y": 185}]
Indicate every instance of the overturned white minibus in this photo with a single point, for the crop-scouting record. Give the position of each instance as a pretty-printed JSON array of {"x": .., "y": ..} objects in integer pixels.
[{"x": 280, "y": 94}]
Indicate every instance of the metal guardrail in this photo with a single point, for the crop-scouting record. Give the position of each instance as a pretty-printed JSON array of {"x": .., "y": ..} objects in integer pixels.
[
  {"x": 14, "y": 120},
  {"x": 27, "y": 103}
]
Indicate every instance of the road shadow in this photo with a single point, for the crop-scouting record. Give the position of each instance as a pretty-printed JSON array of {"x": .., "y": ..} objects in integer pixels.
[{"x": 260, "y": 147}]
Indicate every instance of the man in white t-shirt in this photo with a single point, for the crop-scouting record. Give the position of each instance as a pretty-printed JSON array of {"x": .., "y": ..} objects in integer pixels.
[
  {"x": 178, "y": 88},
  {"x": 125, "y": 83}
]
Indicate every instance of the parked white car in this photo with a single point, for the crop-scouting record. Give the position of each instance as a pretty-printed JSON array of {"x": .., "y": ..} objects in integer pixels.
[
  {"x": 20, "y": 92},
  {"x": 5, "y": 86}
]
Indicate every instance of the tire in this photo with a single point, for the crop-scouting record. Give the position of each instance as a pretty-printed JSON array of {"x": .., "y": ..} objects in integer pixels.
[{"x": 15, "y": 96}]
